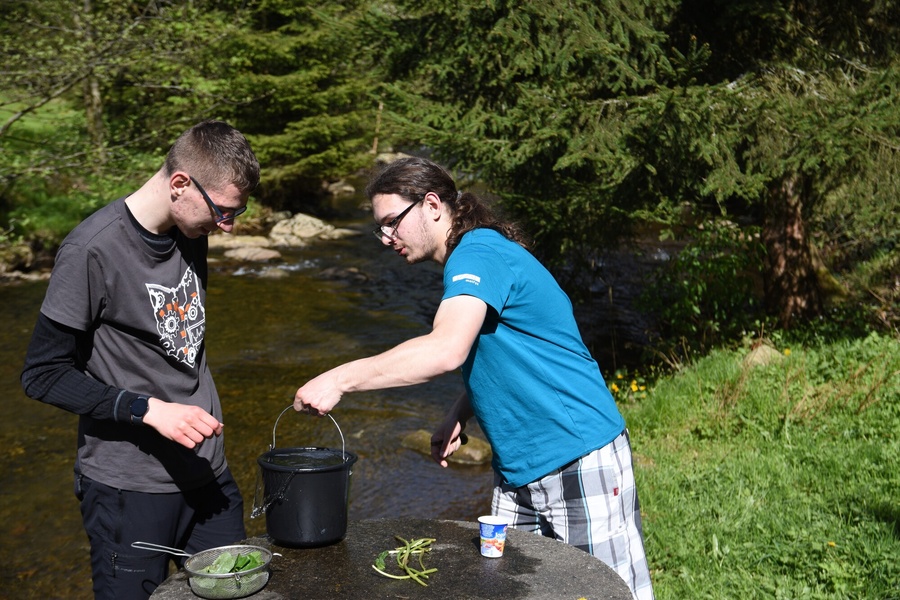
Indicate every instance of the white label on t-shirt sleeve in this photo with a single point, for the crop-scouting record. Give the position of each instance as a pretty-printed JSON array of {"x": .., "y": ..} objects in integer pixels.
[{"x": 468, "y": 277}]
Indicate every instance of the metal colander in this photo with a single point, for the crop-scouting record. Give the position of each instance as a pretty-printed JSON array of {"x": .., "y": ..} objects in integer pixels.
[{"x": 224, "y": 585}]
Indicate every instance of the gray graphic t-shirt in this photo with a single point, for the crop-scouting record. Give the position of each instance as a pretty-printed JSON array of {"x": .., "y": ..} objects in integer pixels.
[{"x": 145, "y": 311}]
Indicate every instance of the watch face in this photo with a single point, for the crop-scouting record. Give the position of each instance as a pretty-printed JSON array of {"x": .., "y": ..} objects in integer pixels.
[{"x": 139, "y": 408}]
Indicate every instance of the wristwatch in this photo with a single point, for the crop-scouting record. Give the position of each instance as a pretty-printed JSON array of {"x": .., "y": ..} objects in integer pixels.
[{"x": 139, "y": 408}]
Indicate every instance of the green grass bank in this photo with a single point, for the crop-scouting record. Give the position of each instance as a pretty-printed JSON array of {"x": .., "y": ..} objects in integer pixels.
[{"x": 772, "y": 478}]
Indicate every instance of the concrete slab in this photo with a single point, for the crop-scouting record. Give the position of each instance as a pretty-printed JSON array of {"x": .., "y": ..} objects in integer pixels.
[{"x": 532, "y": 568}]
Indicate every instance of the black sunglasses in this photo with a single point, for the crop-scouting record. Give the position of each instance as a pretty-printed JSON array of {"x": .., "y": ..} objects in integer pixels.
[{"x": 221, "y": 216}]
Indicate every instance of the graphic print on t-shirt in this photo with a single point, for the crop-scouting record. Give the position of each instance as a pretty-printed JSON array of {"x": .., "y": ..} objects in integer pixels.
[{"x": 180, "y": 317}]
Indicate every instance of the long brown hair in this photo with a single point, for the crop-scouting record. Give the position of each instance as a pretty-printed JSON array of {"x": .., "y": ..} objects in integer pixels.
[{"x": 414, "y": 177}]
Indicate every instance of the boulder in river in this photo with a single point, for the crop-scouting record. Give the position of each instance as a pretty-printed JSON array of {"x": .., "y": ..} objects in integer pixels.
[
  {"x": 254, "y": 254},
  {"x": 475, "y": 452},
  {"x": 300, "y": 229},
  {"x": 231, "y": 240}
]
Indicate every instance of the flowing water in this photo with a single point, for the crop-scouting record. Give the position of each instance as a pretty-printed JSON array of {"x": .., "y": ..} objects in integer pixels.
[{"x": 334, "y": 301}]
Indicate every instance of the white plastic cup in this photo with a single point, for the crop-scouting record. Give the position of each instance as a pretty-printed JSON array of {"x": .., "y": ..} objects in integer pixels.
[{"x": 493, "y": 535}]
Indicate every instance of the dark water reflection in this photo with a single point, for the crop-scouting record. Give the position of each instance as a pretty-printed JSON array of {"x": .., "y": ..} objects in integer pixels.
[{"x": 265, "y": 337}]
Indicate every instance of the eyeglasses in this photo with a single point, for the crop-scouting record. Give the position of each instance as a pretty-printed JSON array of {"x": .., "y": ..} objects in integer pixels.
[
  {"x": 220, "y": 216},
  {"x": 390, "y": 230}
]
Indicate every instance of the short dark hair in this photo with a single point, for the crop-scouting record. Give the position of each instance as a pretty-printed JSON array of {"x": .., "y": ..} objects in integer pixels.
[{"x": 217, "y": 154}]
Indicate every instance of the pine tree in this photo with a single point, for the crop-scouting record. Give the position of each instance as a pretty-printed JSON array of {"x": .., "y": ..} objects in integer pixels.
[{"x": 587, "y": 118}]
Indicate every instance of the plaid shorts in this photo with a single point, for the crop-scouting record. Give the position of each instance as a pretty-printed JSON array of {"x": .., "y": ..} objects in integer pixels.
[{"x": 591, "y": 504}]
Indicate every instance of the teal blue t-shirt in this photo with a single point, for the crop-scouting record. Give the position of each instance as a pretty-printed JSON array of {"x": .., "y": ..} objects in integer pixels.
[{"x": 534, "y": 387}]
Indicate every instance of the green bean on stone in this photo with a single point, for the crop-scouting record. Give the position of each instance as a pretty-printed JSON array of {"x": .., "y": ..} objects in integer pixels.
[{"x": 412, "y": 548}]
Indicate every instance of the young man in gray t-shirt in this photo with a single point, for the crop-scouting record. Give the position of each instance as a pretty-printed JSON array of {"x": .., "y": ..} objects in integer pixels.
[{"x": 120, "y": 342}]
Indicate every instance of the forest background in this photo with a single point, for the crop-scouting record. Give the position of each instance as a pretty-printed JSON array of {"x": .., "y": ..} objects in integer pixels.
[{"x": 760, "y": 136}]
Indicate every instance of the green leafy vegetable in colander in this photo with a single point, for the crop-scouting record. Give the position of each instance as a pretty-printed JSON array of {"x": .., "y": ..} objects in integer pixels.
[
  {"x": 230, "y": 563},
  {"x": 245, "y": 562},
  {"x": 227, "y": 563},
  {"x": 224, "y": 563}
]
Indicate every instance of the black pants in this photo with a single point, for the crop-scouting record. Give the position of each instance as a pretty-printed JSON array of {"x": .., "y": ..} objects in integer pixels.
[{"x": 210, "y": 516}]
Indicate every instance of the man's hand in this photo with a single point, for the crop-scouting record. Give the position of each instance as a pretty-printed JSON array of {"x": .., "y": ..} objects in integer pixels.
[
  {"x": 446, "y": 440},
  {"x": 318, "y": 395},
  {"x": 181, "y": 423}
]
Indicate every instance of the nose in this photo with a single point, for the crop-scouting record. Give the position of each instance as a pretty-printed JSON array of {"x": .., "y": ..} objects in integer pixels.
[{"x": 225, "y": 226}]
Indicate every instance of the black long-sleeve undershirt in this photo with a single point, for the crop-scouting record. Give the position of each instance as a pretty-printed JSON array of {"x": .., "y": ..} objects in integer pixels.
[{"x": 54, "y": 374}]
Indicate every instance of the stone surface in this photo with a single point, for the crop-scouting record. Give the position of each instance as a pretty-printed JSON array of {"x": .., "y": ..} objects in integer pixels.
[{"x": 532, "y": 568}]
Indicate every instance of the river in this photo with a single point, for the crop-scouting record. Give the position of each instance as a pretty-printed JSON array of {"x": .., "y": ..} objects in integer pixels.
[{"x": 335, "y": 301}]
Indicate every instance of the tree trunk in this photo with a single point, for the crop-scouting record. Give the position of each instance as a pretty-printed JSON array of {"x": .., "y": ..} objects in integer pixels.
[
  {"x": 93, "y": 106},
  {"x": 93, "y": 100},
  {"x": 791, "y": 286}
]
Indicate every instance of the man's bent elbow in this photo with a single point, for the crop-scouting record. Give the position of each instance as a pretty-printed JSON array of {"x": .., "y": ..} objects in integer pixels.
[{"x": 36, "y": 382}]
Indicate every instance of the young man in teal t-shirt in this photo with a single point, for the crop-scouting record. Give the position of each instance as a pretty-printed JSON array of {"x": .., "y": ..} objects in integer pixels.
[{"x": 561, "y": 454}]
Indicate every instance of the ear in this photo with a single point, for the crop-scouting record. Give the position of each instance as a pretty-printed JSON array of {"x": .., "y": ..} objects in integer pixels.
[
  {"x": 433, "y": 205},
  {"x": 179, "y": 181}
]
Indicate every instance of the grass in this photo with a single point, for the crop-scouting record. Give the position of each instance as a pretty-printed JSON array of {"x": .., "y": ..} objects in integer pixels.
[
  {"x": 773, "y": 481},
  {"x": 49, "y": 172}
]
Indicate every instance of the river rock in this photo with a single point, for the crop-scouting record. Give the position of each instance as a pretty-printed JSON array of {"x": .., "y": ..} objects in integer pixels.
[
  {"x": 250, "y": 253},
  {"x": 272, "y": 273},
  {"x": 340, "y": 188},
  {"x": 230, "y": 240},
  {"x": 352, "y": 274},
  {"x": 475, "y": 452},
  {"x": 297, "y": 231}
]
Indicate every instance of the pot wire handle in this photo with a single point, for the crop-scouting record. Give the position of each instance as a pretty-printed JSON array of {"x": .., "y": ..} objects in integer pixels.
[{"x": 290, "y": 406}]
